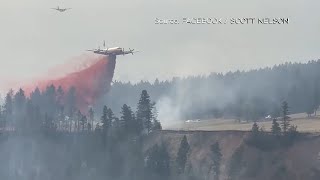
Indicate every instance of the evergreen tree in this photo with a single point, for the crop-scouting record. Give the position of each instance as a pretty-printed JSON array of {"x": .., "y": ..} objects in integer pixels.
[
  {"x": 2, "y": 120},
  {"x": 50, "y": 103},
  {"x": 70, "y": 102},
  {"x": 106, "y": 120},
  {"x": 78, "y": 120},
  {"x": 19, "y": 102},
  {"x": 116, "y": 127},
  {"x": 33, "y": 121},
  {"x": 60, "y": 107},
  {"x": 275, "y": 129},
  {"x": 255, "y": 129},
  {"x": 60, "y": 96},
  {"x": 293, "y": 132},
  {"x": 285, "y": 118},
  {"x": 91, "y": 118},
  {"x": 255, "y": 135},
  {"x": 110, "y": 117},
  {"x": 36, "y": 97},
  {"x": 83, "y": 122},
  {"x": 127, "y": 120},
  {"x": 182, "y": 155},
  {"x": 216, "y": 159},
  {"x": 89, "y": 127},
  {"x": 48, "y": 125},
  {"x": 144, "y": 112},
  {"x": 8, "y": 108}
]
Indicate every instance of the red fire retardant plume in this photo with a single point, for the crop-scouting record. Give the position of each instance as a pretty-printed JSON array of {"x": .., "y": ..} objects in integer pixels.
[{"x": 90, "y": 83}]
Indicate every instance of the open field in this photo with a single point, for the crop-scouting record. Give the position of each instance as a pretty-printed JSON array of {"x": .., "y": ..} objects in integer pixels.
[{"x": 304, "y": 124}]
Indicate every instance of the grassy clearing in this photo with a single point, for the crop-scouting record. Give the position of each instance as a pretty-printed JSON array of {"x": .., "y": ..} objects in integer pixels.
[{"x": 304, "y": 124}]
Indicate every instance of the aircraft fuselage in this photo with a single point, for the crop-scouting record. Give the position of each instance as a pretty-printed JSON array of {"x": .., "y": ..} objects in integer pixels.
[{"x": 112, "y": 51}]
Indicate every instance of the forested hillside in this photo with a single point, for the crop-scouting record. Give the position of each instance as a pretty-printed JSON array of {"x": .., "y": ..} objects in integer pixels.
[{"x": 247, "y": 95}]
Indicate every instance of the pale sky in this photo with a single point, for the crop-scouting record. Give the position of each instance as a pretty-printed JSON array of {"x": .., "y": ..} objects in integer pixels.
[{"x": 34, "y": 38}]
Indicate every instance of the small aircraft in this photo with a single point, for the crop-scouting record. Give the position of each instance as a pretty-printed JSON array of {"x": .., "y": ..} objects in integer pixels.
[
  {"x": 114, "y": 51},
  {"x": 61, "y": 9}
]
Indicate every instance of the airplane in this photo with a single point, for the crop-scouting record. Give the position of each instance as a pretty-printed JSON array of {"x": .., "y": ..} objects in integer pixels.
[
  {"x": 114, "y": 51},
  {"x": 61, "y": 9}
]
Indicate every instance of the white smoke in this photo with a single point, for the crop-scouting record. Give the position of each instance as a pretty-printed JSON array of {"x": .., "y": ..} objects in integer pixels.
[{"x": 169, "y": 113}]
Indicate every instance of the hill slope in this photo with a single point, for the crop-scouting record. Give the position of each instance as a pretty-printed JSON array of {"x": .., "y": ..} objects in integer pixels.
[{"x": 243, "y": 162}]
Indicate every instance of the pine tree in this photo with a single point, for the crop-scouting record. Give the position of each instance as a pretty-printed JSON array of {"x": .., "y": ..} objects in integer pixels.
[
  {"x": 144, "y": 112},
  {"x": 182, "y": 155},
  {"x": 19, "y": 108},
  {"x": 19, "y": 101},
  {"x": 8, "y": 108},
  {"x": 78, "y": 120},
  {"x": 36, "y": 97},
  {"x": 275, "y": 129},
  {"x": 70, "y": 103},
  {"x": 216, "y": 159},
  {"x": 2, "y": 122},
  {"x": 48, "y": 124},
  {"x": 60, "y": 95},
  {"x": 91, "y": 118},
  {"x": 105, "y": 121},
  {"x": 33, "y": 121},
  {"x": 110, "y": 117},
  {"x": 255, "y": 129},
  {"x": 285, "y": 118},
  {"x": 83, "y": 122},
  {"x": 127, "y": 120},
  {"x": 50, "y": 102}
]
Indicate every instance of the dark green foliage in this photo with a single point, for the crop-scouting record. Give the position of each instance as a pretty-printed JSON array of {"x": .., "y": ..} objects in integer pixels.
[
  {"x": 144, "y": 112},
  {"x": 260, "y": 139},
  {"x": 255, "y": 129},
  {"x": 275, "y": 129},
  {"x": 182, "y": 156},
  {"x": 112, "y": 151},
  {"x": 19, "y": 104},
  {"x": 70, "y": 102},
  {"x": 128, "y": 122},
  {"x": 106, "y": 120},
  {"x": 267, "y": 142},
  {"x": 2, "y": 120},
  {"x": 8, "y": 108},
  {"x": 216, "y": 160},
  {"x": 91, "y": 118},
  {"x": 285, "y": 124}
]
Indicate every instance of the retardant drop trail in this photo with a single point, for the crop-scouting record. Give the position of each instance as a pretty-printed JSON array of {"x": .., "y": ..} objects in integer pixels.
[{"x": 90, "y": 83}]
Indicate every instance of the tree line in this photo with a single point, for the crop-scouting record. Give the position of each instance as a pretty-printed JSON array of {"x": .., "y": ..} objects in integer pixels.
[
  {"x": 243, "y": 95},
  {"x": 50, "y": 138},
  {"x": 55, "y": 110},
  {"x": 281, "y": 134}
]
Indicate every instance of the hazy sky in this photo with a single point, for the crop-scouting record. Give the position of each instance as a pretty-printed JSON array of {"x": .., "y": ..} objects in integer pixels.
[{"x": 35, "y": 38}]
